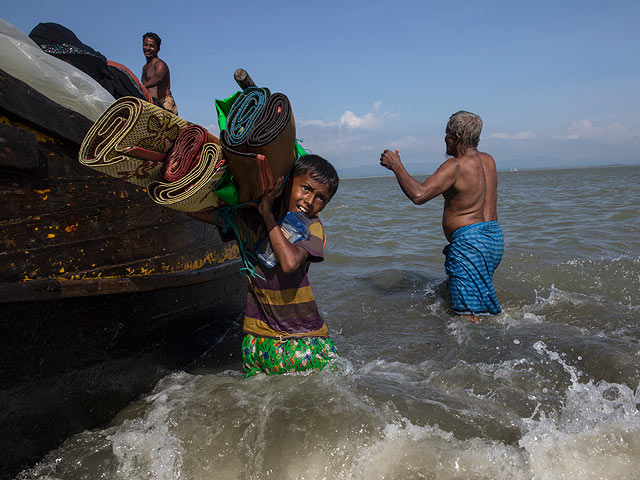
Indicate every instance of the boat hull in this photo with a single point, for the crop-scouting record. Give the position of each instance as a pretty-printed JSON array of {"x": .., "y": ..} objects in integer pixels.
[{"x": 102, "y": 292}]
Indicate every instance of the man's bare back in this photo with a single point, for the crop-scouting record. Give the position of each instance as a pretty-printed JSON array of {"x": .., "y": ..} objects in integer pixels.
[
  {"x": 473, "y": 196},
  {"x": 468, "y": 184}
]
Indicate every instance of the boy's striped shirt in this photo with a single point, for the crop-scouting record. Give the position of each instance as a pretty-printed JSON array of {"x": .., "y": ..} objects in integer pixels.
[{"x": 282, "y": 305}]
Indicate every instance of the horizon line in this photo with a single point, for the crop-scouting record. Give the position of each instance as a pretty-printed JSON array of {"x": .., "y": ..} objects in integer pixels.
[{"x": 510, "y": 170}]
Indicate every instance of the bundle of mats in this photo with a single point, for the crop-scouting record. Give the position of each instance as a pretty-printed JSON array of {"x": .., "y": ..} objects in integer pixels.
[
  {"x": 180, "y": 164},
  {"x": 258, "y": 141}
]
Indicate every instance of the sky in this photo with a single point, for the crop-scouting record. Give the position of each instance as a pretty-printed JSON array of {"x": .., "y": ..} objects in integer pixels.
[{"x": 555, "y": 82}]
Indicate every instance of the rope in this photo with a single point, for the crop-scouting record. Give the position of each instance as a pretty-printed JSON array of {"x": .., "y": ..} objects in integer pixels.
[{"x": 226, "y": 219}]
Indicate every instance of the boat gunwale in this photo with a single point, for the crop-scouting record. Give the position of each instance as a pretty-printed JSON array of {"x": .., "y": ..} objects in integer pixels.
[{"x": 56, "y": 288}]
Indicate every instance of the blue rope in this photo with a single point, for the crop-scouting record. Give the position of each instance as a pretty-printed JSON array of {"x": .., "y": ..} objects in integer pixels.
[
  {"x": 244, "y": 113},
  {"x": 226, "y": 219}
]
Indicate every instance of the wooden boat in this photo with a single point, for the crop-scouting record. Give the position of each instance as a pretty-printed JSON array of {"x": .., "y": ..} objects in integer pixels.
[{"x": 102, "y": 292}]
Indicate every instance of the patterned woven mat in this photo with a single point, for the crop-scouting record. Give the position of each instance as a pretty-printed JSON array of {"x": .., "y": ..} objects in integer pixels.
[
  {"x": 195, "y": 190},
  {"x": 133, "y": 141}
]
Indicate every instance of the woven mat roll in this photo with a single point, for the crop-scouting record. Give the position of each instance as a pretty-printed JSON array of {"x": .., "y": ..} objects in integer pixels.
[
  {"x": 244, "y": 113},
  {"x": 131, "y": 124},
  {"x": 194, "y": 191},
  {"x": 186, "y": 151},
  {"x": 273, "y": 138},
  {"x": 247, "y": 176},
  {"x": 274, "y": 135}
]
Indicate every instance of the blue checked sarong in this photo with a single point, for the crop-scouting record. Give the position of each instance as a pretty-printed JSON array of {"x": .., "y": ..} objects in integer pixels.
[{"x": 473, "y": 255}]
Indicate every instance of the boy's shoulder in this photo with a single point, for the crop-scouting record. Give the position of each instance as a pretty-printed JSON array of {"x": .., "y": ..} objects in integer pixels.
[{"x": 316, "y": 229}]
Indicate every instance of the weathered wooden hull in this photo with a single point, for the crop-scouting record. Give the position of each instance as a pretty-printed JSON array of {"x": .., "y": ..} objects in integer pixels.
[{"x": 102, "y": 292}]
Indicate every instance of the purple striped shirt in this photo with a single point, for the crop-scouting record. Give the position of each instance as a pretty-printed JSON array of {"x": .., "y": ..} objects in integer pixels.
[{"x": 282, "y": 305}]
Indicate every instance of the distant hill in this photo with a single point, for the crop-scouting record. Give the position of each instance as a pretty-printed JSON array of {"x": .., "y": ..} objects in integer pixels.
[
  {"x": 420, "y": 169},
  {"x": 376, "y": 170}
]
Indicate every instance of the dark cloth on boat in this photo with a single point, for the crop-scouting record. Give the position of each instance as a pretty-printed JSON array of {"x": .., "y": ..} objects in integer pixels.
[
  {"x": 127, "y": 84},
  {"x": 62, "y": 43}
]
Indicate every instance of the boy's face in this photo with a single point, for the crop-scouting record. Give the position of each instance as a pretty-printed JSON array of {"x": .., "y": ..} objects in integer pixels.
[{"x": 308, "y": 195}]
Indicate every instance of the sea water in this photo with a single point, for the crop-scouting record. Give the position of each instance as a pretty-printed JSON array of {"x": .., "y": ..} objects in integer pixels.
[{"x": 549, "y": 389}]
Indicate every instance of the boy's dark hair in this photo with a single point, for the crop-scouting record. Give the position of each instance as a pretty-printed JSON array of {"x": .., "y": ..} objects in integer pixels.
[
  {"x": 319, "y": 170},
  {"x": 153, "y": 36}
]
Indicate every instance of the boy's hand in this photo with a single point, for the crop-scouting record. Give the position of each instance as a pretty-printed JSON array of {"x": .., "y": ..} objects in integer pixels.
[
  {"x": 272, "y": 192},
  {"x": 390, "y": 159}
]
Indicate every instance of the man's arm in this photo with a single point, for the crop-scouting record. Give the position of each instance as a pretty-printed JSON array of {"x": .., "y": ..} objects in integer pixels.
[
  {"x": 442, "y": 179},
  {"x": 158, "y": 74},
  {"x": 290, "y": 257}
]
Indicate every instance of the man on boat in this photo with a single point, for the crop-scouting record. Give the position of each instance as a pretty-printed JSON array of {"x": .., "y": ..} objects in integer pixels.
[
  {"x": 469, "y": 184},
  {"x": 155, "y": 74}
]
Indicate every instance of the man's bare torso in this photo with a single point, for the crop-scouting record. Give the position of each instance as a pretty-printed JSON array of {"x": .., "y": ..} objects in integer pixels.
[
  {"x": 473, "y": 196},
  {"x": 152, "y": 69}
]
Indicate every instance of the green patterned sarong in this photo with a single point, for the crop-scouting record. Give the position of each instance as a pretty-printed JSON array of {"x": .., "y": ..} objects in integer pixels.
[{"x": 273, "y": 356}]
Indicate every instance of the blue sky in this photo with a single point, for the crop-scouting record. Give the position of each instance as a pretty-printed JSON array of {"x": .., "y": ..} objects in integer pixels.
[{"x": 556, "y": 83}]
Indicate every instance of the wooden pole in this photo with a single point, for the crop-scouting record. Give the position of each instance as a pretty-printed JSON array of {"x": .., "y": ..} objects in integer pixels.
[{"x": 243, "y": 79}]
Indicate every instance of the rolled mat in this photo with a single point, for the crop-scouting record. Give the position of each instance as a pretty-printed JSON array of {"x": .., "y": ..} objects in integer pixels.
[
  {"x": 268, "y": 152},
  {"x": 194, "y": 191},
  {"x": 247, "y": 170},
  {"x": 131, "y": 127},
  {"x": 186, "y": 151},
  {"x": 274, "y": 135},
  {"x": 244, "y": 113}
]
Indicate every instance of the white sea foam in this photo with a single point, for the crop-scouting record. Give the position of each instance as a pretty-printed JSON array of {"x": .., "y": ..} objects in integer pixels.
[
  {"x": 145, "y": 447},
  {"x": 595, "y": 435},
  {"x": 406, "y": 450},
  {"x": 321, "y": 426}
]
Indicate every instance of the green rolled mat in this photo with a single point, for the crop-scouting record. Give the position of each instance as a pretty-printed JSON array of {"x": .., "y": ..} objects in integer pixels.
[
  {"x": 130, "y": 141},
  {"x": 195, "y": 191}
]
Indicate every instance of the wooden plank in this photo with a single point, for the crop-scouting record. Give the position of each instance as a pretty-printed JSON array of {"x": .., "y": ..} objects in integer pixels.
[
  {"x": 26, "y": 103},
  {"x": 51, "y": 289},
  {"x": 18, "y": 148},
  {"x": 77, "y": 262}
]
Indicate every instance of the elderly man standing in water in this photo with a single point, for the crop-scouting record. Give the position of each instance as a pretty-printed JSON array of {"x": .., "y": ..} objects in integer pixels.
[
  {"x": 155, "y": 74},
  {"x": 469, "y": 184}
]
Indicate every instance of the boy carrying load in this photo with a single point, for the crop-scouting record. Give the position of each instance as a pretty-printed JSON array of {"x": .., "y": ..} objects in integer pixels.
[{"x": 284, "y": 331}]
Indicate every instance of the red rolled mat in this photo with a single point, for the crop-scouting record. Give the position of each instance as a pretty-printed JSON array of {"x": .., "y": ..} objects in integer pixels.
[{"x": 185, "y": 153}]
